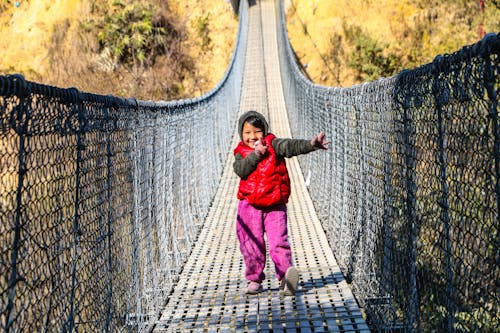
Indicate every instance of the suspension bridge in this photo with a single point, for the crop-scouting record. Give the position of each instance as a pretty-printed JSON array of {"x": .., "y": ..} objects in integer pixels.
[{"x": 119, "y": 214}]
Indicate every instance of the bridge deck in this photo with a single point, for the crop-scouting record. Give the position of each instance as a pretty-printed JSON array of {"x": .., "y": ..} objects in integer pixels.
[{"x": 210, "y": 294}]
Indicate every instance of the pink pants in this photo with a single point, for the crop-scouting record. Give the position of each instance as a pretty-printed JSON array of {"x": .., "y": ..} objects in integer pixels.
[{"x": 251, "y": 224}]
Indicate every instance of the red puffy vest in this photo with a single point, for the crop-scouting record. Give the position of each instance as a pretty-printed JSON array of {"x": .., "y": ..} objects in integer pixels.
[{"x": 269, "y": 183}]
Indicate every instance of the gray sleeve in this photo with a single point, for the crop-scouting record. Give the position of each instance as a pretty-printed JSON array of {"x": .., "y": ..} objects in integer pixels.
[
  {"x": 292, "y": 147},
  {"x": 243, "y": 167}
]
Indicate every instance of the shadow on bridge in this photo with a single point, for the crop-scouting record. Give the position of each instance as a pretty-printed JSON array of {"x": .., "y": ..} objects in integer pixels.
[{"x": 266, "y": 312}]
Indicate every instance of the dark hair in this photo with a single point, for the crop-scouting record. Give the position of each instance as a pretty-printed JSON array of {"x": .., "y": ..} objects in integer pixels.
[{"x": 256, "y": 121}]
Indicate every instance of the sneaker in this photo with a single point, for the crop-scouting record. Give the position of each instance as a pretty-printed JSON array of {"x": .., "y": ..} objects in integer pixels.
[
  {"x": 289, "y": 283},
  {"x": 254, "y": 288}
]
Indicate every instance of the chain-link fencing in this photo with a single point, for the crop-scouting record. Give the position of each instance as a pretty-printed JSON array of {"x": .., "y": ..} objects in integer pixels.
[{"x": 101, "y": 199}]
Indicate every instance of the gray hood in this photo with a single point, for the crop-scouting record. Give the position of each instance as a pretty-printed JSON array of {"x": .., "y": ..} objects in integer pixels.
[{"x": 248, "y": 114}]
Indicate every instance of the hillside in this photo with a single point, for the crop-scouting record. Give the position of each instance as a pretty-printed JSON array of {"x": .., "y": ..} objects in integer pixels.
[
  {"x": 345, "y": 42},
  {"x": 147, "y": 49},
  {"x": 181, "y": 48}
]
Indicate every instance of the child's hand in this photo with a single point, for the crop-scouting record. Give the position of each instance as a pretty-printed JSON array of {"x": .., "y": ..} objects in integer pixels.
[
  {"x": 320, "y": 142},
  {"x": 260, "y": 148}
]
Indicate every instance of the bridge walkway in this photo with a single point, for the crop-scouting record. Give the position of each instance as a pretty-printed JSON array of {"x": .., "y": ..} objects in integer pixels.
[{"x": 210, "y": 294}]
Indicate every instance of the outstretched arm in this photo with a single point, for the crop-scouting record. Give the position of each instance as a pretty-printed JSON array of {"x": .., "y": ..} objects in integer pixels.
[
  {"x": 294, "y": 147},
  {"x": 319, "y": 142}
]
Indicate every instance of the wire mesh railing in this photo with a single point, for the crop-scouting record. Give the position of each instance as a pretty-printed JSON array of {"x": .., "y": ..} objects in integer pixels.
[
  {"x": 409, "y": 192},
  {"x": 101, "y": 199}
]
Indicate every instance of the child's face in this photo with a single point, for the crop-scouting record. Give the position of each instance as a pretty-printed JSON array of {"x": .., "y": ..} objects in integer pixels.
[{"x": 251, "y": 134}]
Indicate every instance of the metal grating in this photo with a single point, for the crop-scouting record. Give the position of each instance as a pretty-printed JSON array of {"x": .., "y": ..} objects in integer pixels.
[{"x": 210, "y": 294}]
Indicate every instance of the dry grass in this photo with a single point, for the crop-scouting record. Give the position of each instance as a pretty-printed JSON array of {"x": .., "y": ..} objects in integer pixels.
[
  {"x": 27, "y": 31},
  {"x": 210, "y": 62},
  {"x": 414, "y": 30},
  {"x": 42, "y": 40}
]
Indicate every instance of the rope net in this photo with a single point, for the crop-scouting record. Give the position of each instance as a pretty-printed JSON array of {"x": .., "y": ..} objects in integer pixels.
[{"x": 101, "y": 198}]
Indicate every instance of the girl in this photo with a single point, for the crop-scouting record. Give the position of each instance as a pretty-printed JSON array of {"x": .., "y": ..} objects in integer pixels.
[{"x": 263, "y": 192}]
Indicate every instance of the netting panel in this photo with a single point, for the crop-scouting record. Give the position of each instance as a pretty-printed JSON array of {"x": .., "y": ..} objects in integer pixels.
[
  {"x": 102, "y": 199},
  {"x": 409, "y": 191}
]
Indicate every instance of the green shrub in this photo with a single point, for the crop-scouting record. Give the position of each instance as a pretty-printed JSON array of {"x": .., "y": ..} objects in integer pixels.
[
  {"x": 336, "y": 54},
  {"x": 368, "y": 58},
  {"x": 130, "y": 34},
  {"x": 202, "y": 25}
]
